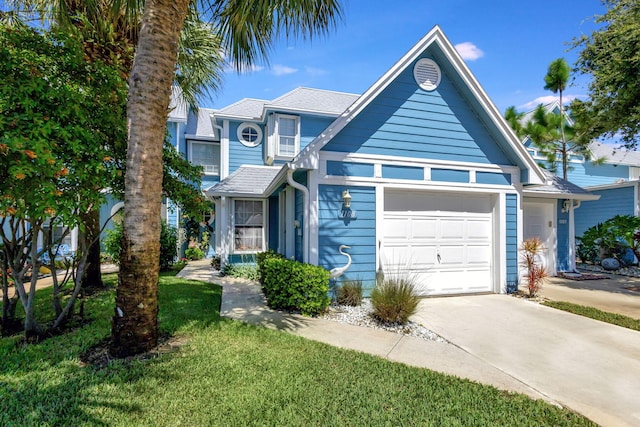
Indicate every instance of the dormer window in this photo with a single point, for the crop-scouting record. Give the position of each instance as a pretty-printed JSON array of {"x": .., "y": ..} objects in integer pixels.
[{"x": 288, "y": 136}]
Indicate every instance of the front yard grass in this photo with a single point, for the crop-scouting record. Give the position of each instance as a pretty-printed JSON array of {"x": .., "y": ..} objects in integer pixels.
[
  {"x": 228, "y": 373},
  {"x": 594, "y": 313}
]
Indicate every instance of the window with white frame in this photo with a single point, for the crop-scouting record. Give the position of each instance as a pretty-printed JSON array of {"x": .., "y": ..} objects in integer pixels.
[
  {"x": 248, "y": 225},
  {"x": 249, "y": 134},
  {"x": 205, "y": 154},
  {"x": 288, "y": 136}
]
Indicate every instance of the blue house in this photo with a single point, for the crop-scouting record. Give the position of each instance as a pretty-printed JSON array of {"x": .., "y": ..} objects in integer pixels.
[{"x": 420, "y": 174}]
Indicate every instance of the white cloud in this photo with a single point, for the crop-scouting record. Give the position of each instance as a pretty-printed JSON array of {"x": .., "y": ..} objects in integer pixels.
[
  {"x": 282, "y": 70},
  {"x": 245, "y": 70},
  {"x": 316, "y": 71},
  {"x": 547, "y": 99},
  {"x": 469, "y": 51}
]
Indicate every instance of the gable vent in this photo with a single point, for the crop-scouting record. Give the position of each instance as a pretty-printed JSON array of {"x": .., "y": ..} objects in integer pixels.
[{"x": 427, "y": 74}]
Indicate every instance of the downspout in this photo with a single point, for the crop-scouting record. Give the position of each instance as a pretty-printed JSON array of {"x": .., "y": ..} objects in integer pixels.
[
  {"x": 572, "y": 235},
  {"x": 305, "y": 229}
]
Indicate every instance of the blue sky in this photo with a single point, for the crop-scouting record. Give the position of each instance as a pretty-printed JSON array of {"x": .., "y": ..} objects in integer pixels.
[{"x": 507, "y": 44}]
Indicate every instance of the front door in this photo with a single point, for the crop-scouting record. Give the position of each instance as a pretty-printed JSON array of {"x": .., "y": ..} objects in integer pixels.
[{"x": 539, "y": 221}]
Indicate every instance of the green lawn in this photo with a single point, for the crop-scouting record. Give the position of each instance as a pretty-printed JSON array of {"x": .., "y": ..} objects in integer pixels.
[
  {"x": 229, "y": 373},
  {"x": 594, "y": 313}
]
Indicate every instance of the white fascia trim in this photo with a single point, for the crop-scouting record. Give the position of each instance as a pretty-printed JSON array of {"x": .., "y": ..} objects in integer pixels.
[
  {"x": 194, "y": 137},
  {"x": 224, "y": 150},
  {"x": 412, "y": 161},
  {"x": 416, "y": 185},
  {"x": 299, "y": 111},
  {"x": 581, "y": 197},
  {"x": 312, "y": 218},
  {"x": 611, "y": 186}
]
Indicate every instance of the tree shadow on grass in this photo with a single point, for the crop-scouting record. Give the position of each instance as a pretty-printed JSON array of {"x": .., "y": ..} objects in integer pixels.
[{"x": 48, "y": 384}]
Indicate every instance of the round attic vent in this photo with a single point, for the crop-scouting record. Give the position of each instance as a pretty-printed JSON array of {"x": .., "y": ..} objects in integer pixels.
[{"x": 427, "y": 74}]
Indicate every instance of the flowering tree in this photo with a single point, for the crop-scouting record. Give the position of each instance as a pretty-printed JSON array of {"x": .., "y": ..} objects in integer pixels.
[{"x": 60, "y": 118}]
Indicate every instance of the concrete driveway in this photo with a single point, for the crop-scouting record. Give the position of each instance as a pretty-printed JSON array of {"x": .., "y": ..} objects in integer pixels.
[
  {"x": 613, "y": 294},
  {"x": 587, "y": 365}
]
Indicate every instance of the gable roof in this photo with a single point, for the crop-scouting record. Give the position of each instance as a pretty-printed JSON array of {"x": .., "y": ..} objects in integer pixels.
[
  {"x": 615, "y": 155},
  {"x": 200, "y": 125},
  {"x": 299, "y": 100},
  {"x": 316, "y": 101},
  {"x": 246, "y": 181},
  {"x": 247, "y": 108},
  {"x": 558, "y": 188},
  {"x": 308, "y": 157},
  {"x": 178, "y": 108}
]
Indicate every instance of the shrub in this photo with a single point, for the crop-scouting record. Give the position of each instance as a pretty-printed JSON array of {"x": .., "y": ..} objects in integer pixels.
[
  {"x": 394, "y": 299},
  {"x": 612, "y": 238},
  {"x": 244, "y": 270},
  {"x": 261, "y": 257},
  {"x": 168, "y": 244},
  {"x": 292, "y": 285},
  {"x": 350, "y": 293},
  {"x": 529, "y": 260},
  {"x": 179, "y": 265},
  {"x": 194, "y": 253},
  {"x": 215, "y": 262}
]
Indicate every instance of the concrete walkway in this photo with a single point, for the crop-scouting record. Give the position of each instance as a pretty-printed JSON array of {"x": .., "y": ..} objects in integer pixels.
[
  {"x": 610, "y": 294},
  {"x": 510, "y": 343}
]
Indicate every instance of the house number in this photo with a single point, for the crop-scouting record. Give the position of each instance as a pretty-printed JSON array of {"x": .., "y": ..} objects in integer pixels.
[{"x": 347, "y": 214}]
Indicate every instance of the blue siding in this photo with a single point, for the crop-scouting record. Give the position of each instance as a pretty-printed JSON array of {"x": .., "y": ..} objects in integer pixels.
[
  {"x": 403, "y": 172},
  {"x": 449, "y": 175},
  {"x": 563, "y": 263},
  {"x": 407, "y": 121},
  {"x": 612, "y": 202},
  {"x": 511, "y": 219},
  {"x": 493, "y": 178},
  {"x": 240, "y": 154},
  {"x": 358, "y": 233},
  {"x": 349, "y": 169},
  {"x": 588, "y": 174},
  {"x": 311, "y": 127},
  {"x": 272, "y": 230},
  {"x": 105, "y": 213}
]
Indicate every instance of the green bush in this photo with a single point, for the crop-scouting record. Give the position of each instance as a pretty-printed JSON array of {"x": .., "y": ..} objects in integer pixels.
[
  {"x": 394, "y": 299},
  {"x": 261, "y": 257},
  {"x": 244, "y": 270},
  {"x": 215, "y": 262},
  {"x": 292, "y": 285},
  {"x": 610, "y": 239},
  {"x": 350, "y": 293},
  {"x": 168, "y": 244},
  {"x": 194, "y": 254}
]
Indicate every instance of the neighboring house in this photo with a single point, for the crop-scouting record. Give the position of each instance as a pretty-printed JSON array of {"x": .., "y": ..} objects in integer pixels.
[
  {"x": 612, "y": 184},
  {"x": 419, "y": 174},
  {"x": 615, "y": 181}
]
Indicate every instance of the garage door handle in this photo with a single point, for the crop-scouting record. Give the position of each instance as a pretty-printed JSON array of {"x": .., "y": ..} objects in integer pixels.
[{"x": 438, "y": 258}]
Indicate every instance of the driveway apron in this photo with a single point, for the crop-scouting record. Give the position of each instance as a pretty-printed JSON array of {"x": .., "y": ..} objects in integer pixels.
[{"x": 587, "y": 365}]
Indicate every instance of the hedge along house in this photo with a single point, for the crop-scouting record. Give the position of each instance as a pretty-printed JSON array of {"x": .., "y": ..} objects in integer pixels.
[{"x": 419, "y": 174}]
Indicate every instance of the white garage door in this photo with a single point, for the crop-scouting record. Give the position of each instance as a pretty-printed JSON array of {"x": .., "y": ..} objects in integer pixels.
[{"x": 443, "y": 241}]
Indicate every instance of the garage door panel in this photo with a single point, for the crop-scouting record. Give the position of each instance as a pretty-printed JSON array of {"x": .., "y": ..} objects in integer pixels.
[
  {"x": 452, "y": 229},
  {"x": 423, "y": 228},
  {"x": 446, "y": 252},
  {"x": 479, "y": 229}
]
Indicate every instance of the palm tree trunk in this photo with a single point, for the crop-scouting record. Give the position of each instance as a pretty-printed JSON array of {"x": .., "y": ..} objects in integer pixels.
[
  {"x": 135, "y": 322},
  {"x": 91, "y": 235}
]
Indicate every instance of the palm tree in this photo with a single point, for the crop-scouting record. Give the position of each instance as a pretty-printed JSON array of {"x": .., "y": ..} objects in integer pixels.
[
  {"x": 109, "y": 32},
  {"x": 556, "y": 81},
  {"x": 248, "y": 29}
]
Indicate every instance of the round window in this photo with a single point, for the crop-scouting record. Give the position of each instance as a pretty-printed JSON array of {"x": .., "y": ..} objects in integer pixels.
[{"x": 249, "y": 134}]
